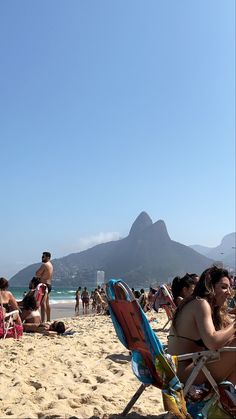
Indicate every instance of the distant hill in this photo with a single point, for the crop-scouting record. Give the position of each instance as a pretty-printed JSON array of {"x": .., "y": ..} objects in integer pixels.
[
  {"x": 146, "y": 256},
  {"x": 225, "y": 252}
]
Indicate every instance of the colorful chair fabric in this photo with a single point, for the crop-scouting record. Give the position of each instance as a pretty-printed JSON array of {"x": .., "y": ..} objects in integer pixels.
[
  {"x": 39, "y": 293},
  {"x": 163, "y": 299},
  {"x": 8, "y": 327}
]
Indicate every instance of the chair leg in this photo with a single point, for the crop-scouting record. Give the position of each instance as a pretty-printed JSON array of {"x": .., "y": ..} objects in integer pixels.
[{"x": 134, "y": 399}]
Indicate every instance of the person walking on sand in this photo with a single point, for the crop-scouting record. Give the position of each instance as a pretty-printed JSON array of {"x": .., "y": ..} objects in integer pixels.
[
  {"x": 77, "y": 299},
  {"x": 85, "y": 300},
  {"x": 44, "y": 273}
]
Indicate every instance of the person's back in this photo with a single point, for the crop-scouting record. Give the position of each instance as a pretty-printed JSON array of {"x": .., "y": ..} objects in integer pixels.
[
  {"x": 143, "y": 299},
  {"x": 85, "y": 300},
  {"x": 8, "y": 304},
  {"x": 186, "y": 329},
  {"x": 30, "y": 312},
  {"x": 7, "y": 299}
]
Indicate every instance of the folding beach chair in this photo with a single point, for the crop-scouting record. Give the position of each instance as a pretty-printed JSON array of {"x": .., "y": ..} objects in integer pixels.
[
  {"x": 8, "y": 327},
  {"x": 217, "y": 403},
  {"x": 153, "y": 366},
  {"x": 163, "y": 299}
]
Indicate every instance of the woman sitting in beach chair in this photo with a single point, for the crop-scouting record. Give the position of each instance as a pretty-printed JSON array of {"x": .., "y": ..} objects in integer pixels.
[
  {"x": 10, "y": 322},
  {"x": 202, "y": 322},
  {"x": 182, "y": 288}
]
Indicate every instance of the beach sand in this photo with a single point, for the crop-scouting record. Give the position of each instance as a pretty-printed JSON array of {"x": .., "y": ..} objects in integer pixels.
[{"x": 84, "y": 375}]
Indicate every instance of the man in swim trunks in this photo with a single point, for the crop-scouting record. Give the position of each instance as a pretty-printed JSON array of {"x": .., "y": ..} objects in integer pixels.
[{"x": 44, "y": 273}]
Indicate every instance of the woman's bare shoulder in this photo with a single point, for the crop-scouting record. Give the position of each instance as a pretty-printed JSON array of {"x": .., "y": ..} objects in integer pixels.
[{"x": 201, "y": 305}]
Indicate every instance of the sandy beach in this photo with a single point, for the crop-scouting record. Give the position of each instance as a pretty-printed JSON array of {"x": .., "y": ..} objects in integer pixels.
[{"x": 83, "y": 375}]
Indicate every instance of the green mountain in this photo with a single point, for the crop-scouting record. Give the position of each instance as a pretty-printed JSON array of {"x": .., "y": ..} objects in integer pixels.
[{"x": 146, "y": 256}]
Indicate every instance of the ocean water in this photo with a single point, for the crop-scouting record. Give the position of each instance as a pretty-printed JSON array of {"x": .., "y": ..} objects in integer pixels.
[{"x": 57, "y": 295}]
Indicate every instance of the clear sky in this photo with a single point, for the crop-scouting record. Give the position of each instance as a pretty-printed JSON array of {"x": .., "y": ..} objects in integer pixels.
[{"x": 109, "y": 108}]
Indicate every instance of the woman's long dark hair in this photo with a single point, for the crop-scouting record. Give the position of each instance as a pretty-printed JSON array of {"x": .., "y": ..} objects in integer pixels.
[
  {"x": 205, "y": 288},
  {"x": 179, "y": 283},
  {"x": 29, "y": 302},
  {"x": 3, "y": 284}
]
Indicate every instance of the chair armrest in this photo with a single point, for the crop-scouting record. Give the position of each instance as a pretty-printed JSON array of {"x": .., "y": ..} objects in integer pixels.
[{"x": 14, "y": 314}]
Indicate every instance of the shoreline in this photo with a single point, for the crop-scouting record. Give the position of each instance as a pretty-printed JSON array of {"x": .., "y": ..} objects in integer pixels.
[
  {"x": 66, "y": 310},
  {"x": 62, "y": 310}
]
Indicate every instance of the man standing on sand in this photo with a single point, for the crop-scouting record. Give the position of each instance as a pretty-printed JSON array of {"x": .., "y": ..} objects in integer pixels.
[{"x": 44, "y": 273}]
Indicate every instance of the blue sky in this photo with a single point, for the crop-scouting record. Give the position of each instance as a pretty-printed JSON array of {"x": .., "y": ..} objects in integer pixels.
[{"x": 109, "y": 108}]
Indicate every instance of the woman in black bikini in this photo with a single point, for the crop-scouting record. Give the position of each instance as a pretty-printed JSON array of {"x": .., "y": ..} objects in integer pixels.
[
  {"x": 202, "y": 322},
  {"x": 7, "y": 299}
]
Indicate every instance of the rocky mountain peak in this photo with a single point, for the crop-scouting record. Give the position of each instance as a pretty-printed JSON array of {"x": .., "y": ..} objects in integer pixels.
[
  {"x": 160, "y": 230},
  {"x": 141, "y": 223}
]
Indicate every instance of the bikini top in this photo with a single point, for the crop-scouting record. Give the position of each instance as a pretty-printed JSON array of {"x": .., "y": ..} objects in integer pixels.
[
  {"x": 34, "y": 313},
  {"x": 198, "y": 342},
  {"x": 6, "y": 306}
]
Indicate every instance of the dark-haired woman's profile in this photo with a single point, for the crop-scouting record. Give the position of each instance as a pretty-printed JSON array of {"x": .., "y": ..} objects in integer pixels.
[{"x": 202, "y": 322}]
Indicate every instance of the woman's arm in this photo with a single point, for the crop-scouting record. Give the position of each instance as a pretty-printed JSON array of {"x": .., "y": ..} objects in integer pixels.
[{"x": 213, "y": 339}]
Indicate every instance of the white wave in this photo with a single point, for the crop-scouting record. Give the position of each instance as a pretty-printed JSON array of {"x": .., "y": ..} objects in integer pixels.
[{"x": 61, "y": 301}]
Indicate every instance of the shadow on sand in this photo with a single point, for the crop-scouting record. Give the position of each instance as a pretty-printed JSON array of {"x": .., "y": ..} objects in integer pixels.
[{"x": 119, "y": 358}]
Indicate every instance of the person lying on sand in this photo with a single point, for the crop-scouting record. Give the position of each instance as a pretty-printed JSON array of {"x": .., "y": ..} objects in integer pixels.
[
  {"x": 53, "y": 329},
  {"x": 31, "y": 319}
]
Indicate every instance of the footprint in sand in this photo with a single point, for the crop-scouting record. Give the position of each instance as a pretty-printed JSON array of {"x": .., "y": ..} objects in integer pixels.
[
  {"x": 100, "y": 379},
  {"x": 35, "y": 384}
]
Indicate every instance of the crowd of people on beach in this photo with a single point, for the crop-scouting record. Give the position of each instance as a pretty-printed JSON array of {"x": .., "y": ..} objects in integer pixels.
[
  {"x": 208, "y": 302},
  {"x": 96, "y": 301},
  {"x": 33, "y": 312}
]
